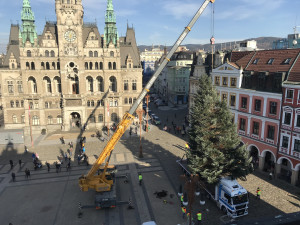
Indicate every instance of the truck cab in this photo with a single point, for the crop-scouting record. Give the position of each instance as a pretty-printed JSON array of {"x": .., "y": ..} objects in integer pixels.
[{"x": 232, "y": 198}]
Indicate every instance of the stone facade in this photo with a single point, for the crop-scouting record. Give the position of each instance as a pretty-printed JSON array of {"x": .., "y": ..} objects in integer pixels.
[{"x": 69, "y": 75}]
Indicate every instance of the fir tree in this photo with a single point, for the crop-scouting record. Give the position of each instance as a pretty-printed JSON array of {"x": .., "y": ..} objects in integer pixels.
[{"x": 215, "y": 145}]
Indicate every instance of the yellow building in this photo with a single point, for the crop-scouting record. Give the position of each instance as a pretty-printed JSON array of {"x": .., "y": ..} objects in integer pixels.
[{"x": 70, "y": 75}]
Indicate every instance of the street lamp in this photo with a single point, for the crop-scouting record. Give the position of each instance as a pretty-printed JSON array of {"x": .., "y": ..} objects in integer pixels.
[
  {"x": 140, "y": 114},
  {"x": 147, "y": 100}
]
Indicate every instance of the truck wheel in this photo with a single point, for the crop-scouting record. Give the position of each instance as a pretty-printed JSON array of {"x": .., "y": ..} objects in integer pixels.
[{"x": 224, "y": 210}]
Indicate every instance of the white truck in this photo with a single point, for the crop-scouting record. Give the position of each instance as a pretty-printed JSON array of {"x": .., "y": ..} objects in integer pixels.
[{"x": 229, "y": 195}]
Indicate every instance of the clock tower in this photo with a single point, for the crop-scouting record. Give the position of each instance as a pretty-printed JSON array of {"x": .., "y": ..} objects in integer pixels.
[{"x": 69, "y": 15}]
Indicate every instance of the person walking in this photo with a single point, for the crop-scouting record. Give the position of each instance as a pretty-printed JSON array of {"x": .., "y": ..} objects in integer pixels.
[
  {"x": 258, "y": 193},
  {"x": 71, "y": 151},
  {"x": 140, "y": 178},
  {"x": 11, "y": 164},
  {"x": 66, "y": 156},
  {"x": 13, "y": 175},
  {"x": 199, "y": 217},
  {"x": 20, "y": 163},
  {"x": 183, "y": 209},
  {"x": 48, "y": 166}
]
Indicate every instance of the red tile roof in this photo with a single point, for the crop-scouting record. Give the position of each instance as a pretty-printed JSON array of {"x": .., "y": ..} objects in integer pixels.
[
  {"x": 294, "y": 75},
  {"x": 235, "y": 56},
  {"x": 278, "y": 64}
]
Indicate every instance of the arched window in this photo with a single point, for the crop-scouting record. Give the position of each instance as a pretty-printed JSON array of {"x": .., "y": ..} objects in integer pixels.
[
  {"x": 95, "y": 54},
  {"x": 92, "y": 103},
  {"x": 42, "y": 65},
  {"x": 47, "y": 53},
  {"x": 17, "y": 104},
  {"x": 126, "y": 101},
  {"x": 100, "y": 118},
  {"x": 58, "y": 66},
  {"x": 12, "y": 65},
  {"x": 57, "y": 84},
  {"x": 31, "y": 105},
  {"x": 28, "y": 53},
  {"x": 12, "y": 104},
  {"x": 102, "y": 102},
  {"x": 134, "y": 85},
  {"x": 47, "y": 82},
  {"x": 32, "y": 85},
  {"x": 59, "y": 119},
  {"x": 100, "y": 84},
  {"x": 130, "y": 100},
  {"x": 113, "y": 84},
  {"x": 53, "y": 65},
  {"x": 52, "y": 53},
  {"x": 109, "y": 66},
  {"x": 46, "y": 105},
  {"x": 32, "y": 66},
  {"x": 47, "y": 66},
  {"x": 86, "y": 65},
  {"x": 27, "y": 66},
  {"x": 114, "y": 66},
  {"x": 23, "y": 119},
  {"x": 96, "y": 66},
  {"x": 50, "y": 120},
  {"x": 22, "y": 103},
  {"x": 134, "y": 99},
  {"x": 15, "y": 119},
  {"x": 112, "y": 54},
  {"x": 116, "y": 102},
  {"x": 90, "y": 84},
  {"x": 35, "y": 121},
  {"x": 101, "y": 66},
  {"x": 114, "y": 117},
  {"x": 88, "y": 104},
  {"x": 68, "y": 1},
  {"x": 90, "y": 54},
  {"x": 91, "y": 65}
]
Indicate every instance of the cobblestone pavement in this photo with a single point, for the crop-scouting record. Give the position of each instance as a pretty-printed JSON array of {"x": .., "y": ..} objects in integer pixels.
[{"x": 53, "y": 197}]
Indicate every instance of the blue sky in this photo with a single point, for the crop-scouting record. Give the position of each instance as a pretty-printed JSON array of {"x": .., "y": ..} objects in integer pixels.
[{"x": 161, "y": 21}]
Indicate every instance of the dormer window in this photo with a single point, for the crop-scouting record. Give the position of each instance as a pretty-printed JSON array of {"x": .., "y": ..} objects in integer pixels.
[
  {"x": 287, "y": 61},
  {"x": 255, "y": 61},
  {"x": 270, "y": 61}
]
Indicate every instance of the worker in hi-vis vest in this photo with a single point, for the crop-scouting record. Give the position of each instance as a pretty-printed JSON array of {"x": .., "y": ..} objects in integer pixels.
[{"x": 199, "y": 217}]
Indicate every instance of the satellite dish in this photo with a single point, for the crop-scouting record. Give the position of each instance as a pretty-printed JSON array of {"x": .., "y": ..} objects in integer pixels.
[{"x": 295, "y": 42}]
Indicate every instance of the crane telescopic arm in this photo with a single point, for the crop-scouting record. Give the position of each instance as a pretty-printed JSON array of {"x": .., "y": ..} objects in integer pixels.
[{"x": 99, "y": 182}]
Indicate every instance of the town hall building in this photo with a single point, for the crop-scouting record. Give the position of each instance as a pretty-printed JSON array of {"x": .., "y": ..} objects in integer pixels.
[{"x": 69, "y": 75}]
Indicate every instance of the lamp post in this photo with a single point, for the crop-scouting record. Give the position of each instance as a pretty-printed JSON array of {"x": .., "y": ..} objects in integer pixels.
[
  {"x": 140, "y": 114},
  {"x": 191, "y": 186}
]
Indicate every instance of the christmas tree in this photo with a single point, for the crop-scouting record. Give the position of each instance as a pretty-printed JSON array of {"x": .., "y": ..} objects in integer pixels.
[{"x": 216, "y": 151}]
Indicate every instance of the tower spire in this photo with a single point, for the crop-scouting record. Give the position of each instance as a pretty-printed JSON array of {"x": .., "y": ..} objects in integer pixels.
[
  {"x": 110, "y": 30},
  {"x": 28, "y": 26}
]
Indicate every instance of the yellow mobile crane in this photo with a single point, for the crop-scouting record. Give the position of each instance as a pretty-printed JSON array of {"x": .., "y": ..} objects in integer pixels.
[{"x": 103, "y": 183}]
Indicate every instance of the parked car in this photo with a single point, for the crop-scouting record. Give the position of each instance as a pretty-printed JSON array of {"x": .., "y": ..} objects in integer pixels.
[{"x": 156, "y": 120}]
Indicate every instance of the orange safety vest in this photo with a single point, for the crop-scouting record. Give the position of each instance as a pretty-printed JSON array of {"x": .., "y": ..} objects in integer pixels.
[{"x": 183, "y": 209}]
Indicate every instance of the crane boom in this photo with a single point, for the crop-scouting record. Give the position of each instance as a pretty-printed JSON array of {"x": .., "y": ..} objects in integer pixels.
[{"x": 99, "y": 182}]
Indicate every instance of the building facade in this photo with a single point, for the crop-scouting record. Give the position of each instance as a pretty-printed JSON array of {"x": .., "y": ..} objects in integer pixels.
[
  {"x": 251, "y": 83},
  {"x": 70, "y": 75}
]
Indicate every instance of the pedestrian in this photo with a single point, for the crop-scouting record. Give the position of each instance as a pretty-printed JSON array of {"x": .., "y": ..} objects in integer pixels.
[
  {"x": 183, "y": 211},
  {"x": 62, "y": 140},
  {"x": 66, "y": 156},
  {"x": 140, "y": 178},
  {"x": 36, "y": 156},
  {"x": 11, "y": 164},
  {"x": 258, "y": 193},
  {"x": 26, "y": 149},
  {"x": 71, "y": 151},
  {"x": 26, "y": 173},
  {"x": 13, "y": 175},
  {"x": 69, "y": 165},
  {"x": 83, "y": 149},
  {"x": 33, "y": 156},
  {"x": 48, "y": 166},
  {"x": 20, "y": 162},
  {"x": 188, "y": 217},
  {"x": 271, "y": 176},
  {"x": 181, "y": 200},
  {"x": 199, "y": 217}
]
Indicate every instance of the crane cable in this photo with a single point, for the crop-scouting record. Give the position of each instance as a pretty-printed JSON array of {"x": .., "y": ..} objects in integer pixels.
[{"x": 212, "y": 39}]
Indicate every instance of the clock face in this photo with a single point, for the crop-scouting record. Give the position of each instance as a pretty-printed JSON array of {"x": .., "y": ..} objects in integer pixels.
[{"x": 70, "y": 35}]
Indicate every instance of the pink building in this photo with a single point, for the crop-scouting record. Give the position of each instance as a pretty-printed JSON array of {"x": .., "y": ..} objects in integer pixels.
[{"x": 251, "y": 83}]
